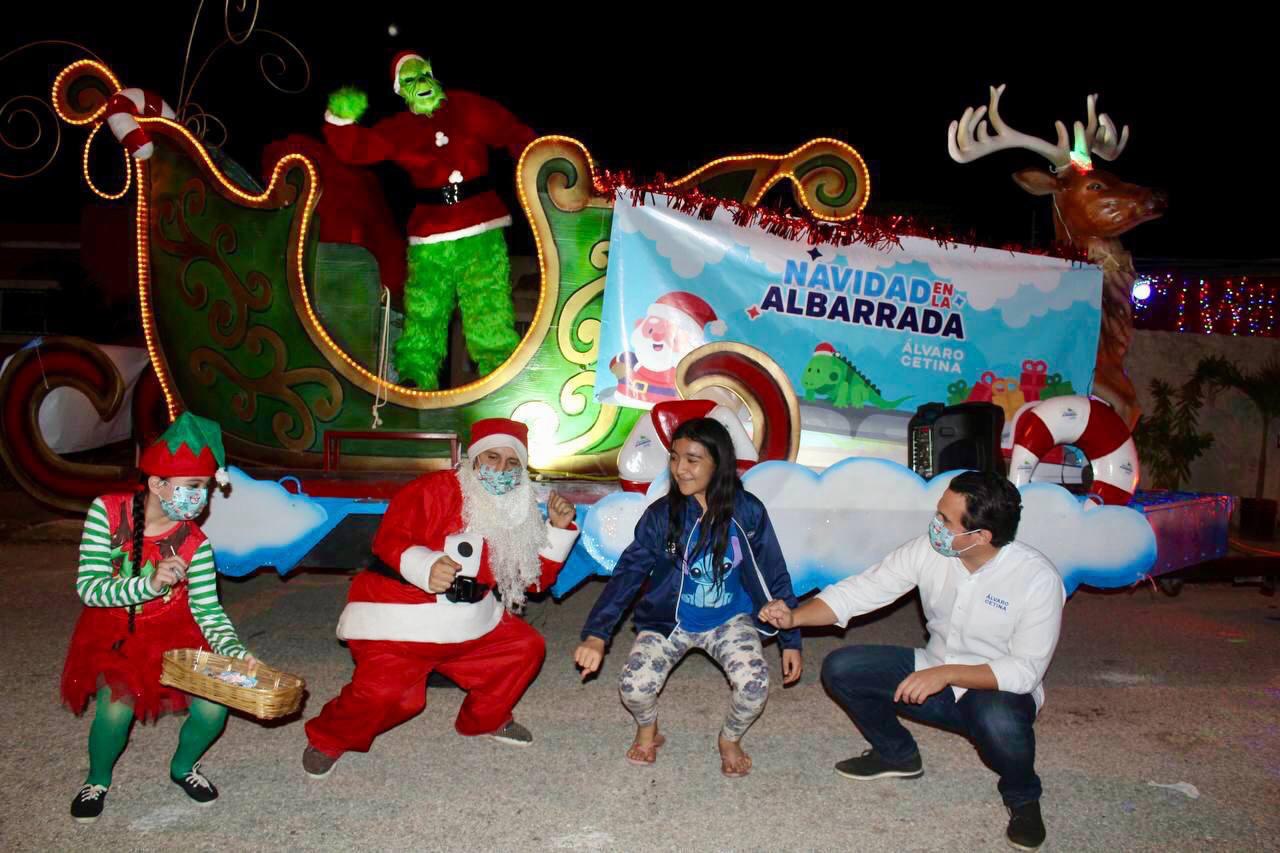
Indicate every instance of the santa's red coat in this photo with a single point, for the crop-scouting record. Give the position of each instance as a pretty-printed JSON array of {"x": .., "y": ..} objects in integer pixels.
[
  {"x": 410, "y": 540},
  {"x": 456, "y": 138}
]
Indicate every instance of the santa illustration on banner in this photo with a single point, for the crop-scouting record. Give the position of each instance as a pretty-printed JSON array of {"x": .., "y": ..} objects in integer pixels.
[{"x": 674, "y": 326}]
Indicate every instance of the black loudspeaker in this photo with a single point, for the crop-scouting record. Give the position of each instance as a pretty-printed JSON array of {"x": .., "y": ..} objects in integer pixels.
[{"x": 946, "y": 438}]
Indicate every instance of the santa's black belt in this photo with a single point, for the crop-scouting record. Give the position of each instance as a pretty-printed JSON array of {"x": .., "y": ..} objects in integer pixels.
[
  {"x": 453, "y": 193},
  {"x": 464, "y": 589}
]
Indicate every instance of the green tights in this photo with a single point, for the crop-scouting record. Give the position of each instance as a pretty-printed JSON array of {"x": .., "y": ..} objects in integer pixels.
[{"x": 109, "y": 735}]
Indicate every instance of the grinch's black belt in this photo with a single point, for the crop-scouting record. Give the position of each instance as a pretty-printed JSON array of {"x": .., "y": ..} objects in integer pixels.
[{"x": 454, "y": 193}]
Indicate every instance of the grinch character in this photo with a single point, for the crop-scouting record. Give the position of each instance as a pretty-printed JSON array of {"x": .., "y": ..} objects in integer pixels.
[{"x": 457, "y": 252}]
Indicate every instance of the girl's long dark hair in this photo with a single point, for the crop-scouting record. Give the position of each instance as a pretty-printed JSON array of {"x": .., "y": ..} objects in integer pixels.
[{"x": 721, "y": 491}]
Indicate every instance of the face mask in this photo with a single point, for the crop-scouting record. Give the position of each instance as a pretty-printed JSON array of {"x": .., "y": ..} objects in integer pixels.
[
  {"x": 186, "y": 504},
  {"x": 497, "y": 483},
  {"x": 941, "y": 539}
]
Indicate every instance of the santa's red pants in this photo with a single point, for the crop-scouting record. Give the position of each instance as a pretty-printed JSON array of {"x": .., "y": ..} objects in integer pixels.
[{"x": 390, "y": 685}]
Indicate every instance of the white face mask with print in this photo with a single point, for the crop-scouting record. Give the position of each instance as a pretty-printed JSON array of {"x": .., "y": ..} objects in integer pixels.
[{"x": 943, "y": 539}]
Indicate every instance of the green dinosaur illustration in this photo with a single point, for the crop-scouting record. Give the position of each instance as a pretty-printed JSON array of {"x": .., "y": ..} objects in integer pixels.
[{"x": 833, "y": 376}]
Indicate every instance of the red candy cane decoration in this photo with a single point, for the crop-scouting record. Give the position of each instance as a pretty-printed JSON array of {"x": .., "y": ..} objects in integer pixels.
[{"x": 121, "y": 116}]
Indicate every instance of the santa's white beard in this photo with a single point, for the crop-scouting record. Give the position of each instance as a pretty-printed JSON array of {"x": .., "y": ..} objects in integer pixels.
[{"x": 513, "y": 532}]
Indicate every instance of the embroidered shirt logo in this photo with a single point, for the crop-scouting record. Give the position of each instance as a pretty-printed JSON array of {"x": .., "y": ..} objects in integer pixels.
[{"x": 998, "y": 603}]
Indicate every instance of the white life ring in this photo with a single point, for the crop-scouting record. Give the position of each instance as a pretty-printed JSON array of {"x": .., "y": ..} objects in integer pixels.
[{"x": 1088, "y": 424}]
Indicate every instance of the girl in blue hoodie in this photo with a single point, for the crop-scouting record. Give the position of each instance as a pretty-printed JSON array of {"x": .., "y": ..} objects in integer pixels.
[{"x": 712, "y": 561}]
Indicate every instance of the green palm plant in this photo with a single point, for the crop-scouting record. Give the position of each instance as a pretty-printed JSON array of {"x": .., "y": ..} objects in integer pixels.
[
  {"x": 1167, "y": 438},
  {"x": 1261, "y": 387}
]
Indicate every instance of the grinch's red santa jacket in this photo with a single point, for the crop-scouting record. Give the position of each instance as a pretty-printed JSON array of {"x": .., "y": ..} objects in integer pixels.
[
  {"x": 449, "y": 147},
  {"x": 410, "y": 540}
]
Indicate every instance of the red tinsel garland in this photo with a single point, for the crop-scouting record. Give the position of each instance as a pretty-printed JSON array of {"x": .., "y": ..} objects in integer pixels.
[{"x": 875, "y": 232}]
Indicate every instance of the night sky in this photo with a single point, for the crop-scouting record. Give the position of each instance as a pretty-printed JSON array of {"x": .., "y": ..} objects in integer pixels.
[{"x": 667, "y": 97}]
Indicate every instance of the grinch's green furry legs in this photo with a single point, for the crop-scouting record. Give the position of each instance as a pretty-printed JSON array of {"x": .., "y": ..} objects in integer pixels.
[
  {"x": 107, "y": 737},
  {"x": 428, "y": 305},
  {"x": 484, "y": 295}
]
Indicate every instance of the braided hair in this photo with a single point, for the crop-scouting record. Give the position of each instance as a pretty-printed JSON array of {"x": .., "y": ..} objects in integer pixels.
[{"x": 139, "y": 523}]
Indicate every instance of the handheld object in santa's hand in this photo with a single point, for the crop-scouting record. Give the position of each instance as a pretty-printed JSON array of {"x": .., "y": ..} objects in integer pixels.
[{"x": 465, "y": 590}]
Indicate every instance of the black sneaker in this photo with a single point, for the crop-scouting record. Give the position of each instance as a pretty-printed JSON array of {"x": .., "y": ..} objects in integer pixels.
[
  {"x": 88, "y": 803},
  {"x": 316, "y": 763},
  {"x": 870, "y": 766},
  {"x": 197, "y": 786},
  {"x": 514, "y": 734},
  {"x": 1026, "y": 829}
]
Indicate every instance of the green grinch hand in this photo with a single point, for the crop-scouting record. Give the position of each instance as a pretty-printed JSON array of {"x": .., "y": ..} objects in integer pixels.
[{"x": 348, "y": 103}]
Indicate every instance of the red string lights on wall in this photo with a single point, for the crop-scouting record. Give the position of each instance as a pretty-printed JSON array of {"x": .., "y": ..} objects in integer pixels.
[{"x": 1238, "y": 305}]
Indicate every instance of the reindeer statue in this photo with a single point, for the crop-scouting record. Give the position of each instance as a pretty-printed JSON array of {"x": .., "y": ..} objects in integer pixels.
[{"x": 1091, "y": 209}]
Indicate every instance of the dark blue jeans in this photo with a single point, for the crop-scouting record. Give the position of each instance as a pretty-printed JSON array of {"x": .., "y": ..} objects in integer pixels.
[{"x": 863, "y": 679}]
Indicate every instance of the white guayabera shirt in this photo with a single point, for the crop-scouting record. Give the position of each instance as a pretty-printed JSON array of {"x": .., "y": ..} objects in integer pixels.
[{"x": 1006, "y": 615}]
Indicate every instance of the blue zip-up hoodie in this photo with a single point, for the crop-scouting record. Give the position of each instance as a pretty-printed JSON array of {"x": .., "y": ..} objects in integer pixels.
[{"x": 764, "y": 573}]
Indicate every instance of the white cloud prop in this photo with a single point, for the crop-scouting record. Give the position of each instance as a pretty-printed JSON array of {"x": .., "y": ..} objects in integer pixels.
[
  {"x": 258, "y": 515},
  {"x": 843, "y": 521}
]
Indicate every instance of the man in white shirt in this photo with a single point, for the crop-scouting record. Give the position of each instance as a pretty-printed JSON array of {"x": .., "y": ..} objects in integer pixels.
[{"x": 993, "y": 608}]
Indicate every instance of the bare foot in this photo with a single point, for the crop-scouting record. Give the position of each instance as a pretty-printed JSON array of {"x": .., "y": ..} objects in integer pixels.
[
  {"x": 645, "y": 749},
  {"x": 734, "y": 763}
]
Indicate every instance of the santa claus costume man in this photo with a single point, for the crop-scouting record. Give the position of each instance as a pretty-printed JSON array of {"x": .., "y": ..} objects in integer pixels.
[
  {"x": 414, "y": 615},
  {"x": 674, "y": 326}
]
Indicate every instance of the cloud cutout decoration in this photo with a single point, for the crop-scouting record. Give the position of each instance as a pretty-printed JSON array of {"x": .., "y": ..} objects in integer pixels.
[
  {"x": 843, "y": 521},
  {"x": 258, "y": 523}
]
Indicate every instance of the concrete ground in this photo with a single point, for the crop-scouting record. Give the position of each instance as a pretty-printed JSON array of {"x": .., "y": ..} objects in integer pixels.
[{"x": 1144, "y": 689}]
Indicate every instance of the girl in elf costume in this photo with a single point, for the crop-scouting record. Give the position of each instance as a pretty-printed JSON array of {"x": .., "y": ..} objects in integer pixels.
[{"x": 147, "y": 580}]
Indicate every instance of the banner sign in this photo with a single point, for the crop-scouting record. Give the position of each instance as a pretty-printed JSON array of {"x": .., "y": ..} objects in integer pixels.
[{"x": 852, "y": 326}]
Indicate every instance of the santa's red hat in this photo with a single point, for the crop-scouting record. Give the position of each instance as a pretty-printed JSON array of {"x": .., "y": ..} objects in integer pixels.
[
  {"x": 401, "y": 58},
  {"x": 687, "y": 310},
  {"x": 499, "y": 432},
  {"x": 824, "y": 348}
]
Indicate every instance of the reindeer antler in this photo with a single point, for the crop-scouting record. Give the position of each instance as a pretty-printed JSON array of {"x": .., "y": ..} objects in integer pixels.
[
  {"x": 967, "y": 143},
  {"x": 1100, "y": 136}
]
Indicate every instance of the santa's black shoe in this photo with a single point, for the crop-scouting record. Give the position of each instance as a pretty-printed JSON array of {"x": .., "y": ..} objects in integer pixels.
[
  {"x": 316, "y": 763},
  {"x": 513, "y": 733}
]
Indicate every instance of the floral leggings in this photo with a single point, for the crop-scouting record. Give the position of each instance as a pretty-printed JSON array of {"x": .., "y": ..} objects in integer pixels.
[{"x": 735, "y": 646}]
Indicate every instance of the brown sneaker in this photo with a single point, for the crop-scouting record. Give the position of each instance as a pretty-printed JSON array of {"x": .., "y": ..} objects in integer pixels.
[{"x": 316, "y": 763}]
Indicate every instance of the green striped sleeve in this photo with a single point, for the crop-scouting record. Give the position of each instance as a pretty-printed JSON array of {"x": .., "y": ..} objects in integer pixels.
[
  {"x": 205, "y": 608},
  {"x": 94, "y": 583}
]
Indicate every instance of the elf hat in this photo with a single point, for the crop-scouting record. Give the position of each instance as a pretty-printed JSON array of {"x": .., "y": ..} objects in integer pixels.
[{"x": 190, "y": 447}]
